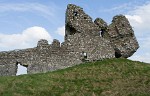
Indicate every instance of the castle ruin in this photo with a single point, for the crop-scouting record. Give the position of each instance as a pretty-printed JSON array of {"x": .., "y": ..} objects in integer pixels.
[{"x": 85, "y": 41}]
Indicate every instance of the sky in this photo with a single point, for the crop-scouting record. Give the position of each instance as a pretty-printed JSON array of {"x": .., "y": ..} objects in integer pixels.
[{"x": 24, "y": 22}]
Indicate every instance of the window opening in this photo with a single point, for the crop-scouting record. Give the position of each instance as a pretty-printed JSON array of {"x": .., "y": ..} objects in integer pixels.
[
  {"x": 21, "y": 69},
  {"x": 75, "y": 13},
  {"x": 117, "y": 53},
  {"x": 85, "y": 17},
  {"x": 102, "y": 32},
  {"x": 83, "y": 56},
  {"x": 123, "y": 25}
]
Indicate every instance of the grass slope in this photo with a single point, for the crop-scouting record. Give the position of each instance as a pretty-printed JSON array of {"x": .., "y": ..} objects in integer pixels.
[{"x": 114, "y": 77}]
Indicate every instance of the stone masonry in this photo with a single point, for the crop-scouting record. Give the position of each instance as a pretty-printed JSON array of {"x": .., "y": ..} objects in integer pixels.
[{"x": 85, "y": 41}]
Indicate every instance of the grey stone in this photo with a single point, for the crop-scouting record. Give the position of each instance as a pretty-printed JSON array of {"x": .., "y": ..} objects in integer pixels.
[
  {"x": 122, "y": 37},
  {"x": 85, "y": 41}
]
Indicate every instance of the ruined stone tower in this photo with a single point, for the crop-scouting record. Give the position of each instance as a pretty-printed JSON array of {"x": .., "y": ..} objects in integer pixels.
[{"x": 85, "y": 41}]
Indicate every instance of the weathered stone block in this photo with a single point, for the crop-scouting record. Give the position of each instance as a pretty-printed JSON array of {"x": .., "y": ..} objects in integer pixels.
[{"x": 122, "y": 37}]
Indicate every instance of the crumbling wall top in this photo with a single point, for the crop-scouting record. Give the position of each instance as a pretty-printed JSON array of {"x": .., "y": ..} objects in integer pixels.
[{"x": 42, "y": 42}]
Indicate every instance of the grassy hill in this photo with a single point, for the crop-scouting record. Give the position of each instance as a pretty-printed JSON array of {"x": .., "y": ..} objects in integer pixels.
[{"x": 114, "y": 77}]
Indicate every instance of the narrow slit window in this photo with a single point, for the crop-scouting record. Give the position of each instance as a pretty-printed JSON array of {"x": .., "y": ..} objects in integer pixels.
[
  {"x": 102, "y": 32},
  {"x": 85, "y": 55}
]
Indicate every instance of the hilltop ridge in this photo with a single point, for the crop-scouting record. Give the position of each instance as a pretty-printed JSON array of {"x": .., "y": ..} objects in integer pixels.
[{"x": 110, "y": 77}]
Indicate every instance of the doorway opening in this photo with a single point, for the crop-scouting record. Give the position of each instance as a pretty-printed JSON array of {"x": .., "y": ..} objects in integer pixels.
[{"x": 21, "y": 69}]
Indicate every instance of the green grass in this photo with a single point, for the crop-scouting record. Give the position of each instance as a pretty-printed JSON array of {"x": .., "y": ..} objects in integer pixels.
[{"x": 114, "y": 77}]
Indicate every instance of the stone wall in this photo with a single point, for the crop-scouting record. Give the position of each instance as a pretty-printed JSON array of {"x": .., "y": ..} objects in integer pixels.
[{"x": 85, "y": 41}]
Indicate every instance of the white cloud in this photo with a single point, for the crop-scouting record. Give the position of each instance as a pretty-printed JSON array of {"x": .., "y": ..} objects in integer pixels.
[
  {"x": 141, "y": 57},
  {"x": 28, "y": 38},
  {"x": 141, "y": 16},
  {"x": 61, "y": 31},
  {"x": 134, "y": 18},
  {"x": 139, "y": 19}
]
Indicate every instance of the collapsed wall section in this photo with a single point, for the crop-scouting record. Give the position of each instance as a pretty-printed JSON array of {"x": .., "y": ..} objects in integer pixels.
[
  {"x": 120, "y": 34},
  {"x": 83, "y": 35},
  {"x": 122, "y": 37}
]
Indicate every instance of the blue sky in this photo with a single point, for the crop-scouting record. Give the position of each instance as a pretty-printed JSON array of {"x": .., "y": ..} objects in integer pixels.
[{"x": 24, "y": 22}]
